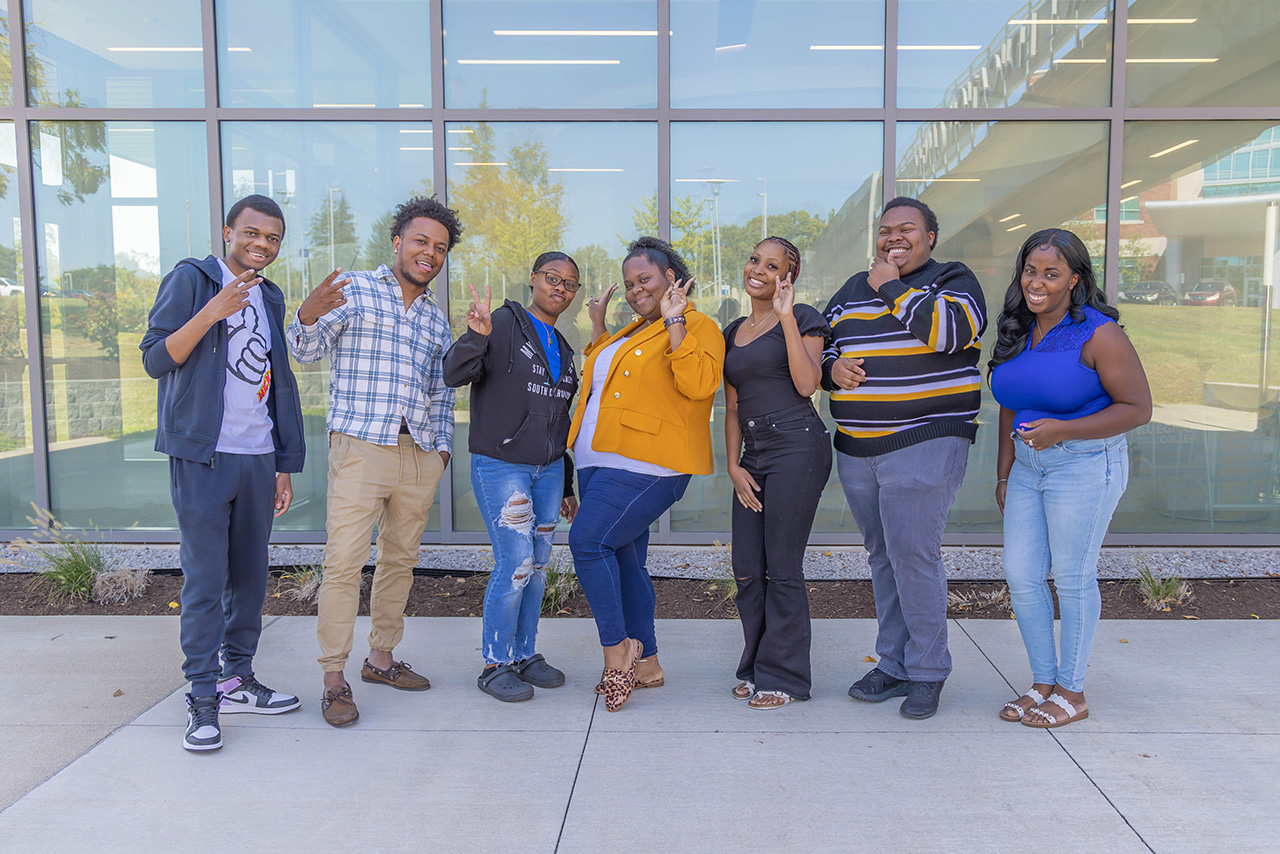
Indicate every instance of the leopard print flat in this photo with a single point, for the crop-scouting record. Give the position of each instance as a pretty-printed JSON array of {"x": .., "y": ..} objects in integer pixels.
[{"x": 619, "y": 682}]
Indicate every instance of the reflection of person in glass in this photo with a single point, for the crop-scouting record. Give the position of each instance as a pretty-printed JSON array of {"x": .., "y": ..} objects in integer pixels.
[
  {"x": 1069, "y": 385},
  {"x": 230, "y": 421},
  {"x": 640, "y": 431},
  {"x": 390, "y": 435},
  {"x": 905, "y": 388},
  {"x": 772, "y": 366},
  {"x": 522, "y": 379}
]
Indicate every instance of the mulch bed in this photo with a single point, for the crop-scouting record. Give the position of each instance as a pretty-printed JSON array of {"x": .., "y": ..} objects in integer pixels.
[{"x": 677, "y": 598}]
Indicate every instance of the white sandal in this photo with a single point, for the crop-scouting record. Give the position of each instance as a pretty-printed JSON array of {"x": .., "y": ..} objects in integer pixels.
[
  {"x": 1018, "y": 712},
  {"x": 781, "y": 695},
  {"x": 1044, "y": 720},
  {"x": 747, "y": 684}
]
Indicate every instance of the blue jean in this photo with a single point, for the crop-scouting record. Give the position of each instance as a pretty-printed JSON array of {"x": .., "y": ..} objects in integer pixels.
[
  {"x": 900, "y": 502},
  {"x": 1057, "y": 507},
  {"x": 520, "y": 505},
  {"x": 610, "y": 542}
]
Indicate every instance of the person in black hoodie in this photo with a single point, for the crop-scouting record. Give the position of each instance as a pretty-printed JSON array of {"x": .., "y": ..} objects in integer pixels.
[{"x": 522, "y": 379}]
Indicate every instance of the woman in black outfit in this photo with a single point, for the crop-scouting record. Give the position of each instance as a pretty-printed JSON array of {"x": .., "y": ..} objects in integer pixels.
[{"x": 772, "y": 366}]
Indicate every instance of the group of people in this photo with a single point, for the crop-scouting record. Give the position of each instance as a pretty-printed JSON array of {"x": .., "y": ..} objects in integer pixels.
[{"x": 897, "y": 348}]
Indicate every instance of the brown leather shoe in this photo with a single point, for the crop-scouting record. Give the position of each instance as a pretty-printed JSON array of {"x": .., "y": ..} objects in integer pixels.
[
  {"x": 399, "y": 675},
  {"x": 338, "y": 707}
]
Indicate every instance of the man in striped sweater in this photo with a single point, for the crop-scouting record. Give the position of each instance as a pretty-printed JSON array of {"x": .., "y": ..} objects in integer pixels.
[{"x": 905, "y": 388}]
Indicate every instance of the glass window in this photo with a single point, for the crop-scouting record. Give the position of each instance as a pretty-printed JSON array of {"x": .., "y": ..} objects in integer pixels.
[
  {"x": 338, "y": 184},
  {"x": 114, "y": 53},
  {"x": 6, "y": 69},
  {"x": 992, "y": 185},
  {"x": 735, "y": 182},
  {"x": 17, "y": 473},
  {"x": 324, "y": 53},
  {"x": 1004, "y": 53},
  {"x": 522, "y": 189},
  {"x": 519, "y": 53},
  {"x": 777, "y": 53},
  {"x": 1209, "y": 461},
  {"x": 117, "y": 204},
  {"x": 1203, "y": 53}
]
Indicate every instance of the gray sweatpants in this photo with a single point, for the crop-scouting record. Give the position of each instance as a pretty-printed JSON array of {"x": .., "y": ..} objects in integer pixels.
[
  {"x": 224, "y": 520},
  {"x": 900, "y": 502}
]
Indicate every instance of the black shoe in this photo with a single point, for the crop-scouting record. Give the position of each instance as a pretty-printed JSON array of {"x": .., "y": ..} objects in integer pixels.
[
  {"x": 878, "y": 686},
  {"x": 503, "y": 683},
  {"x": 538, "y": 673},
  {"x": 922, "y": 700}
]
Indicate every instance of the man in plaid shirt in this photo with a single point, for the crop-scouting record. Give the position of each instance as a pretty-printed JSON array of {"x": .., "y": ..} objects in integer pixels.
[{"x": 390, "y": 434}]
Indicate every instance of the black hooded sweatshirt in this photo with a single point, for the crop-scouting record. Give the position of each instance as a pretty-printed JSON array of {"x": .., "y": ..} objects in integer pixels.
[{"x": 519, "y": 412}]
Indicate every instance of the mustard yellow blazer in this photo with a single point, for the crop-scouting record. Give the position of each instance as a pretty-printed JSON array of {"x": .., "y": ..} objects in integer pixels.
[{"x": 656, "y": 403}]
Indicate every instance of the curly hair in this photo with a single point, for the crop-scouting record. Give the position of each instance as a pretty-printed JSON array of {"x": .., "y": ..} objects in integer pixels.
[
  {"x": 793, "y": 254},
  {"x": 261, "y": 204},
  {"x": 1016, "y": 319},
  {"x": 429, "y": 208},
  {"x": 930, "y": 218},
  {"x": 661, "y": 254}
]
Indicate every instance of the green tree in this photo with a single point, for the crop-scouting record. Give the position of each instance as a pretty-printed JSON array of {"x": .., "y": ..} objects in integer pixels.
[
  {"x": 343, "y": 241},
  {"x": 737, "y": 241},
  {"x": 377, "y": 246},
  {"x": 690, "y": 228},
  {"x": 512, "y": 213}
]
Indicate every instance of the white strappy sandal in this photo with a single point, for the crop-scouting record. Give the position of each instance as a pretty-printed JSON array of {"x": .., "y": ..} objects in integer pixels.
[
  {"x": 1040, "y": 719},
  {"x": 781, "y": 695},
  {"x": 745, "y": 685},
  {"x": 1016, "y": 712}
]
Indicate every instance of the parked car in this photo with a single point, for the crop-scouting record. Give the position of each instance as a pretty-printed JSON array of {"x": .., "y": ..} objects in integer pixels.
[
  {"x": 75, "y": 293},
  {"x": 1152, "y": 293},
  {"x": 10, "y": 288},
  {"x": 1210, "y": 292}
]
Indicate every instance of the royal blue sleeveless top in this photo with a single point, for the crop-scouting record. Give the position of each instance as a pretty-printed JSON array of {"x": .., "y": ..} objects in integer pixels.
[{"x": 1050, "y": 381}]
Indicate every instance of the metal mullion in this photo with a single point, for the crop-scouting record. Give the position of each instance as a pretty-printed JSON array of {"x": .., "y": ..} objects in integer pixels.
[
  {"x": 440, "y": 184},
  {"x": 29, "y": 228},
  {"x": 1115, "y": 148},
  {"x": 104, "y": 114},
  {"x": 213, "y": 135},
  {"x": 664, "y": 167},
  {"x": 889, "y": 169}
]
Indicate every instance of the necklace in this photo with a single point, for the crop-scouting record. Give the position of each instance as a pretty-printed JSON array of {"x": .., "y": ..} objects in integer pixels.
[
  {"x": 1033, "y": 335},
  {"x": 751, "y": 324}
]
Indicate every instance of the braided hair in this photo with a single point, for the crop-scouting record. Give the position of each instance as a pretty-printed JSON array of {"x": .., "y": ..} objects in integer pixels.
[
  {"x": 793, "y": 254},
  {"x": 661, "y": 254}
]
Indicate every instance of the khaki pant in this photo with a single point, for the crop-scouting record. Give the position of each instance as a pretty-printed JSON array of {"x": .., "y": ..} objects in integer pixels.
[{"x": 392, "y": 485}]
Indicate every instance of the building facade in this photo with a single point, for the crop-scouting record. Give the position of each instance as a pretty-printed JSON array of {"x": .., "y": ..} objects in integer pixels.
[{"x": 127, "y": 128}]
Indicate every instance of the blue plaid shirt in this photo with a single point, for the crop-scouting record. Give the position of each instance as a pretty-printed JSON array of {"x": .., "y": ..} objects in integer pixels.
[{"x": 386, "y": 363}]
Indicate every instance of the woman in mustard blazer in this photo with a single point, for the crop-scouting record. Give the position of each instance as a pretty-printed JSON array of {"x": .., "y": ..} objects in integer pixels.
[{"x": 640, "y": 430}]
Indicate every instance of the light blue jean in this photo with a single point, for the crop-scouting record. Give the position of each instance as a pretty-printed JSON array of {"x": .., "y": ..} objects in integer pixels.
[
  {"x": 520, "y": 505},
  {"x": 1058, "y": 504}
]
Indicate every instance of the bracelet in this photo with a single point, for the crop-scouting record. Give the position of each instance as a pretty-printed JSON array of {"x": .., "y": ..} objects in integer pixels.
[
  {"x": 666, "y": 323},
  {"x": 1003, "y": 480}
]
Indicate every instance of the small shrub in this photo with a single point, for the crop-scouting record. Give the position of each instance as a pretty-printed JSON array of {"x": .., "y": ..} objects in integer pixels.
[
  {"x": 118, "y": 586},
  {"x": 979, "y": 599},
  {"x": 562, "y": 582},
  {"x": 72, "y": 566},
  {"x": 1161, "y": 592},
  {"x": 302, "y": 583},
  {"x": 722, "y": 587}
]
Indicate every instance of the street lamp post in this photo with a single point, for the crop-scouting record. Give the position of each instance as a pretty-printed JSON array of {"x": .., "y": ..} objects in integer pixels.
[
  {"x": 764, "y": 207},
  {"x": 331, "y": 237}
]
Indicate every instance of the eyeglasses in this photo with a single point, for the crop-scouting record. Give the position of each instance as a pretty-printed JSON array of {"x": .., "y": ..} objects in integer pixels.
[{"x": 556, "y": 281}]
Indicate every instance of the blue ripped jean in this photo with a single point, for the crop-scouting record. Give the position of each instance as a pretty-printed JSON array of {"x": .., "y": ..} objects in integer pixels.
[
  {"x": 520, "y": 505},
  {"x": 1057, "y": 507}
]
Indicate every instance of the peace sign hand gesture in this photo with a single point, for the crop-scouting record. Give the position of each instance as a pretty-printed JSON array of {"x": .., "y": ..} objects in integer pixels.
[
  {"x": 325, "y": 298},
  {"x": 479, "y": 318},
  {"x": 784, "y": 297},
  {"x": 675, "y": 300},
  {"x": 598, "y": 310}
]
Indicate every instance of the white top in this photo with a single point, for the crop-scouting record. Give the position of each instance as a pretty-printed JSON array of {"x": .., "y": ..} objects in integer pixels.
[
  {"x": 584, "y": 456},
  {"x": 246, "y": 426}
]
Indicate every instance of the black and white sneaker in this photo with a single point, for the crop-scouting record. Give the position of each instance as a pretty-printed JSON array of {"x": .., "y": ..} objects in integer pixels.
[
  {"x": 246, "y": 695},
  {"x": 203, "y": 732}
]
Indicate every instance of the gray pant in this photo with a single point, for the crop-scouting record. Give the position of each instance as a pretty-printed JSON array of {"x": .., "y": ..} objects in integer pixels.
[
  {"x": 900, "y": 502},
  {"x": 224, "y": 521}
]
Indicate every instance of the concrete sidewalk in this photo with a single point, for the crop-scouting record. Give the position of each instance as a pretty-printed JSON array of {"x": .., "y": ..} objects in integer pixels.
[{"x": 1178, "y": 755}]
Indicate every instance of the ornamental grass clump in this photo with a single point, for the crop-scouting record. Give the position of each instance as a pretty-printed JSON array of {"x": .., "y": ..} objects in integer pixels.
[
  {"x": 71, "y": 566},
  {"x": 1161, "y": 592},
  {"x": 562, "y": 583}
]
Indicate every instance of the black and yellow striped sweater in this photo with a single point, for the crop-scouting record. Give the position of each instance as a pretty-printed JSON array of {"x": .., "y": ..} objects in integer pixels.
[{"x": 919, "y": 339}]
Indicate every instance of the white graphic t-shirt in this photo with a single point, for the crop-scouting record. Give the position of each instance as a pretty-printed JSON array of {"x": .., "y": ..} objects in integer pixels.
[{"x": 246, "y": 426}]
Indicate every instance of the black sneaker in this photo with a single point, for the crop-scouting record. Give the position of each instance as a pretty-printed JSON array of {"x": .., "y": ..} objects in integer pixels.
[
  {"x": 246, "y": 695},
  {"x": 878, "y": 686},
  {"x": 203, "y": 732},
  {"x": 922, "y": 700}
]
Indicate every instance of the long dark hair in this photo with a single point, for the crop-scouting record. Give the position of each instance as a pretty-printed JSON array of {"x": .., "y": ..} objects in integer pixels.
[
  {"x": 661, "y": 254},
  {"x": 1016, "y": 319}
]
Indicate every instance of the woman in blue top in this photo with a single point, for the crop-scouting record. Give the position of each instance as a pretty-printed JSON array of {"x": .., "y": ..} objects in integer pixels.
[{"x": 1069, "y": 384}]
